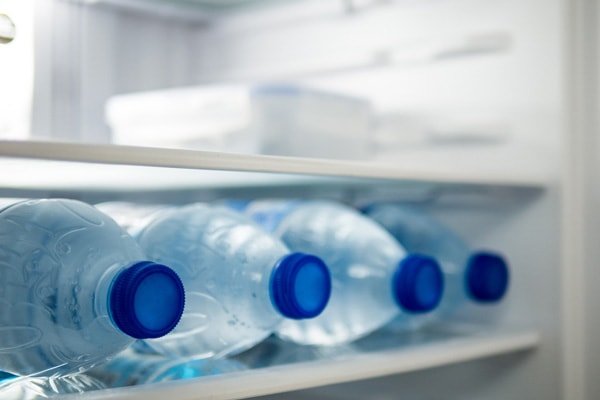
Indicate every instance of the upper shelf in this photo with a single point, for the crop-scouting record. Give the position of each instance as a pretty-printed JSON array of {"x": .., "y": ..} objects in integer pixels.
[
  {"x": 55, "y": 165},
  {"x": 197, "y": 10}
]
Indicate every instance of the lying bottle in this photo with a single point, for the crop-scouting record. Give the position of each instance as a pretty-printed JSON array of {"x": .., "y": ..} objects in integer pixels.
[
  {"x": 241, "y": 282},
  {"x": 75, "y": 289},
  {"x": 480, "y": 277},
  {"x": 131, "y": 368},
  {"x": 130, "y": 216},
  {"x": 374, "y": 279}
]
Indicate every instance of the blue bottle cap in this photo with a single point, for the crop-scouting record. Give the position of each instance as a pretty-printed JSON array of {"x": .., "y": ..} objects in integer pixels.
[
  {"x": 487, "y": 277},
  {"x": 418, "y": 283},
  {"x": 146, "y": 300},
  {"x": 300, "y": 286}
]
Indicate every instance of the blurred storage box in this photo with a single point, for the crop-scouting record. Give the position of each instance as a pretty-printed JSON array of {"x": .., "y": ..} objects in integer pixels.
[{"x": 269, "y": 119}]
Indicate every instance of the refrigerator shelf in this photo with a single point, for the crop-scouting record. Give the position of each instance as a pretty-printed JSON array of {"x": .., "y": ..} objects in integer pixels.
[
  {"x": 435, "y": 350},
  {"x": 199, "y": 11},
  {"x": 58, "y": 165}
]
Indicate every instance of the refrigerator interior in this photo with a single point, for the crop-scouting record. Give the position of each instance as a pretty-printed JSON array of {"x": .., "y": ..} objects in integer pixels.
[
  {"x": 473, "y": 119},
  {"x": 470, "y": 85}
]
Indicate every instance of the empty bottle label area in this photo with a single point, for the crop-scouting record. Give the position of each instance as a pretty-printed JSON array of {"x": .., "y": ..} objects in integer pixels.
[{"x": 117, "y": 294}]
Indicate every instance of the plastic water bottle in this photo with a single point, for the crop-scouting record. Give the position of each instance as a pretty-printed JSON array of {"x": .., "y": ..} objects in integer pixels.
[
  {"x": 131, "y": 216},
  {"x": 131, "y": 368},
  {"x": 472, "y": 278},
  {"x": 374, "y": 279},
  {"x": 241, "y": 282},
  {"x": 75, "y": 289}
]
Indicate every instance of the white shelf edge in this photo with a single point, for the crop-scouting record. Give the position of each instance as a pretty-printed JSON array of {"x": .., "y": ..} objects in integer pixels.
[
  {"x": 285, "y": 378},
  {"x": 205, "y": 160},
  {"x": 165, "y": 9},
  {"x": 187, "y": 11}
]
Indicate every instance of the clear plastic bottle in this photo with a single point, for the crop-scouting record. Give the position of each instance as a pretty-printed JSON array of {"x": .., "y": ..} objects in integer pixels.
[
  {"x": 131, "y": 368},
  {"x": 131, "y": 216},
  {"x": 374, "y": 279},
  {"x": 472, "y": 278},
  {"x": 241, "y": 282},
  {"x": 74, "y": 289}
]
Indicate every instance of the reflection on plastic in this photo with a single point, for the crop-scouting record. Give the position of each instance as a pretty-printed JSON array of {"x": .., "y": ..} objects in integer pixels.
[
  {"x": 131, "y": 368},
  {"x": 28, "y": 388}
]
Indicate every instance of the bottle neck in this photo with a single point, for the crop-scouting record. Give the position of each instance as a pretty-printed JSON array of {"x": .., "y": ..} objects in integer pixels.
[{"x": 102, "y": 293}]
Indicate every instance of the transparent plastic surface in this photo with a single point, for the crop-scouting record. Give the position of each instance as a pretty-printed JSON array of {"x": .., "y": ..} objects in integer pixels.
[
  {"x": 132, "y": 217},
  {"x": 131, "y": 368},
  {"x": 225, "y": 262},
  {"x": 57, "y": 261},
  {"x": 29, "y": 388},
  {"x": 362, "y": 258},
  {"x": 5, "y": 376}
]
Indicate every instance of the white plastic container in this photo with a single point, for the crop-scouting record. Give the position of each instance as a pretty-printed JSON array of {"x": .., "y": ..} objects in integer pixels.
[{"x": 269, "y": 119}]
